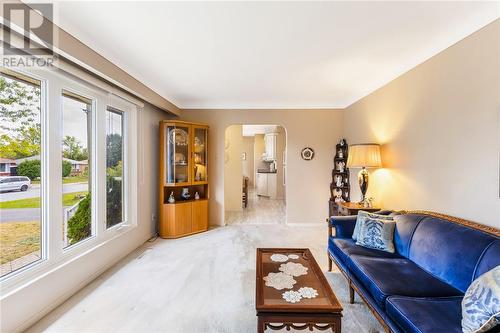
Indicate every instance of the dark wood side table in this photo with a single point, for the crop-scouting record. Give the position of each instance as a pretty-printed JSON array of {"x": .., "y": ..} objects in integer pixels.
[
  {"x": 322, "y": 311},
  {"x": 352, "y": 208}
]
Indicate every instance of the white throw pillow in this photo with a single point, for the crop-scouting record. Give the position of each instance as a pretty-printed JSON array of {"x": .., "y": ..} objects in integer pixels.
[
  {"x": 377, "y": 234},
  {"x": 362, "y": 216},
  {"x": 481, "y": 303}
]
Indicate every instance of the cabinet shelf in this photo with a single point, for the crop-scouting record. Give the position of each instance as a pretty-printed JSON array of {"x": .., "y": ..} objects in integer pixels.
[{"x": 184, "y": 201}]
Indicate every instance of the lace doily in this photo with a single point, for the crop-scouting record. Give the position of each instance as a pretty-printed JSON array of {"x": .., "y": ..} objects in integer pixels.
[
  {"x": 292, "y": 296},
  {"x": 276, "y": 257},
  {"x": 293, "y": 269},
  {"x": 279, "y": 281},
  {"x": 293, "y": 256},
  {"x": 308, "y": 292}
]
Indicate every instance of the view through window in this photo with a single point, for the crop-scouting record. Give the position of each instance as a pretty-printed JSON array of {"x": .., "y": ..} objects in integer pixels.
[
  {"x": 76, "y": 168},
  {"x": 21, "y": 172},
  {"x": 114, "y": 167}
]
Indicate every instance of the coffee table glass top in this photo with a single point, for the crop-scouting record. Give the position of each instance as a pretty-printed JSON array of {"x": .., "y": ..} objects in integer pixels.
[{"x": 291, "y": 280}]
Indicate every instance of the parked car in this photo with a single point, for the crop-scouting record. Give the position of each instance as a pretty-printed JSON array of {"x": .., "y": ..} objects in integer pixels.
[{"x": 14, "y": 183}]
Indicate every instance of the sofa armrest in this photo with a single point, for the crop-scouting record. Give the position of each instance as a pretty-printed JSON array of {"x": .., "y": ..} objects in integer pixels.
[{"x": 344, "y": 226}]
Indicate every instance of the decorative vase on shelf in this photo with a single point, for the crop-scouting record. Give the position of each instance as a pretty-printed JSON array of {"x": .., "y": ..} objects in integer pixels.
[
  {"x": 185, "y": 193},
  {"x": 171, "y": 198},
  {"x": 196, "y": 196}
]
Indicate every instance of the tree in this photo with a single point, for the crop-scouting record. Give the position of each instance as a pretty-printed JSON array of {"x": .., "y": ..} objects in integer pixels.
[
  {"x": 19, "y": 119},
  {"x": 73, "y": 149},
  {"x": 66, "y": 168},
  {"x": 113, "y": 149},
  {"x": 114, "y": 214},
  {"x": 79, "y": 226},
  {"x": 30, "y": 169}
]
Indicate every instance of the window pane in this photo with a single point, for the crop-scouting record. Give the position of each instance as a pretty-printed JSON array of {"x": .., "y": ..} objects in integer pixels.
[
  {"x": 114, "y": 167},
  {"x": 76, "y": 144},
  {"x": 20, "y": 152}
]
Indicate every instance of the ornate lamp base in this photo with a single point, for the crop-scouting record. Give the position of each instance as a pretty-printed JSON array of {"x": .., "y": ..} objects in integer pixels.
[{"x": 363, "y": 180}]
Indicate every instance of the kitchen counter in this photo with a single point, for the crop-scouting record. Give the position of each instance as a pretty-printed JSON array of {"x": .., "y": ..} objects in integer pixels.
[{"x": 265, "y": 171}]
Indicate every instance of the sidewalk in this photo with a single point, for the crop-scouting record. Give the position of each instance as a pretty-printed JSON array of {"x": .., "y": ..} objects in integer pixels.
[{"x": 19, "y": 262}]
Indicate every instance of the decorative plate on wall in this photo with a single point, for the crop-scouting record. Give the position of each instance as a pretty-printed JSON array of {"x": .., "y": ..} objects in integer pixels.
[{"x": 307, "y": 154}]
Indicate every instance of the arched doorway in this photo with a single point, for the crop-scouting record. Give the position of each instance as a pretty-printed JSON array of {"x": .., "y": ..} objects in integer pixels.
[{"x": 255, "y": 174}]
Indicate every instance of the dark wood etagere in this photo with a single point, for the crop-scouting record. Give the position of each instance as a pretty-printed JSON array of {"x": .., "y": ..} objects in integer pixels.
[{"x": 340, "y": 187}]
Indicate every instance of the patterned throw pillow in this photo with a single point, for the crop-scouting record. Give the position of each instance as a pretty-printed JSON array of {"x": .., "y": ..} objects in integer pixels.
[
  {"x": 362, "y": 216},
  {"x": 377, "y": 234},
  {"x": 481, "y": 303}
]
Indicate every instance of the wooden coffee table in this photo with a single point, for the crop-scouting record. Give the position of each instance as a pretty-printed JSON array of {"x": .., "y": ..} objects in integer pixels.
[{"x": 315, "y": 304}]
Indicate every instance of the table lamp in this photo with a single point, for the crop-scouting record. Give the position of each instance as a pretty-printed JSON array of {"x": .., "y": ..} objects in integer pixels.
[{"x": 365, "y": 155}]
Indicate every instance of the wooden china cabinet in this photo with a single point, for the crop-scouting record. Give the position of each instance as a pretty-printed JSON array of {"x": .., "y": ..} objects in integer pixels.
[{"x": 183, "y": 168}]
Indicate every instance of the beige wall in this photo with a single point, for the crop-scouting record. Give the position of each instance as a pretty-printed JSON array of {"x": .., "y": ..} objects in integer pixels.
[
  {"x": 232, "y": 169},
  {"x": 280, "y": 147},
  {"x": 248, "y": 164},
  {"x": 439, "y": 124},
  {"x": 308, "y": 181}
]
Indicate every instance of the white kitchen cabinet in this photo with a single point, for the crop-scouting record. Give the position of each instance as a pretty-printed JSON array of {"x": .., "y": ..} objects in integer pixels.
[
  {"x": 262, "y": 184},
  {"x": 272, "y": 185},
  {"x": 267, "y": 184},
  {"x": 270, "y": 140}
]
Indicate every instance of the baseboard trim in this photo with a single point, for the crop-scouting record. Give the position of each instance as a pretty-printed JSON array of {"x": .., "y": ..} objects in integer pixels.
[{"x": 311, "y": 224}]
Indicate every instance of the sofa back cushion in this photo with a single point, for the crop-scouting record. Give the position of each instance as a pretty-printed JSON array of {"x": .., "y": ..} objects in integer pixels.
[
  {"x": 448, "y": 250},
  {"x": 489, "y": 259},
  {"x": 405, "y": 226}
]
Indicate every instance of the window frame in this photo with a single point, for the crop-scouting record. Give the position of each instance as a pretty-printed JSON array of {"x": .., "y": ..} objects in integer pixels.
[
  {"x": 124, "y": 220},
  {"x": 92, "y": 157},
  {"x": 44, "y": 233},
  {"x": 53, "y": 254}
]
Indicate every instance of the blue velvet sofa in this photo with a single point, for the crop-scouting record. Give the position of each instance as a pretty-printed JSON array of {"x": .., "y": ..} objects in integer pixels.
[{"x": 420, "y": 287}]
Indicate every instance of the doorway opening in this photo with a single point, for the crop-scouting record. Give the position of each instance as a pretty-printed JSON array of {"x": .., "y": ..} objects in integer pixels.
[{"x": 255, "y": 174}]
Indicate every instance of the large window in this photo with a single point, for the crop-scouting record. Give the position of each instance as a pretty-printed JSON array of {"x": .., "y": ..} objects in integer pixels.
[
  {"x": 65, "y": 170},
  {"x": 114, "y": 167},
  {"x": 21, "y": 227},
  {"x": 76, "y": 168}
]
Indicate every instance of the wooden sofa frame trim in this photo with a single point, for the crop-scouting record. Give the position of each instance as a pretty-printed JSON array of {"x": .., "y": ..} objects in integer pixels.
[{"x": 352, "y": 287}]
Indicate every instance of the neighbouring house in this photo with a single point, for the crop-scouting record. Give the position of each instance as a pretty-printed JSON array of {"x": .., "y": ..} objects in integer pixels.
[
  {"x": 8, "y": 167},
  {"x": 77, "y": 167}
]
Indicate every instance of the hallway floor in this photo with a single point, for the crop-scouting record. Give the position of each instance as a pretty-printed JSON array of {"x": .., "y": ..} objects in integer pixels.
[{"x": 260, "y": 210}]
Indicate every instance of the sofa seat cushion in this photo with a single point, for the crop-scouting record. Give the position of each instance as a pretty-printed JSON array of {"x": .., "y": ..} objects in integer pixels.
[
  {"x": 425, "y": 315},
  {"x": 384, "y": 277},
  {"x": 344, "y": 248}
]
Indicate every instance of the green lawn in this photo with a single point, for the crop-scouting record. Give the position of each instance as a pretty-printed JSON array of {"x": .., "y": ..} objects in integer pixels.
[
  {"x": 18, "y": 239},
  {"x": 68, "y": 180},
  {"x": 69, "y": 199}
]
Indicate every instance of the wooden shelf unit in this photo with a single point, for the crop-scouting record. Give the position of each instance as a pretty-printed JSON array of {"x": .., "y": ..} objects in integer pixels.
[{"x": 183, "y": 159}]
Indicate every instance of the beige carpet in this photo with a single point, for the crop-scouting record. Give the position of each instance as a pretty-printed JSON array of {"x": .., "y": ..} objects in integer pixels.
[{"x": 203, "y": 283}]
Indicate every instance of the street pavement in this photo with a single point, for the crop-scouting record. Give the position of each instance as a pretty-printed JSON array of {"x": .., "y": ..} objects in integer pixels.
[
  {"x": 34, "y": 191},
  {"x": 30, "y": 214},
  {"x": 20, "y": 215}
]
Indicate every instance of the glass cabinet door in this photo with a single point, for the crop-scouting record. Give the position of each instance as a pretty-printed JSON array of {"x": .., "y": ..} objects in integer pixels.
[
  {"x": 177, "y": 154},
  {"x": 200, "y": 154}
]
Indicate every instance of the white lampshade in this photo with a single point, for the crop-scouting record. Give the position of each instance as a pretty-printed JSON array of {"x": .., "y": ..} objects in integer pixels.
[{"x": 365, "y": 155}]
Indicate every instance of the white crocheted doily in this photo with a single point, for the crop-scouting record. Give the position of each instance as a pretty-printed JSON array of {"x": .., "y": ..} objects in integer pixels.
[
  {"x": 292, "y": 296},
  {"x": 308, "y": 292},
  {"x": 276, "y": 257},
  {"x": 279, "y": 281},
  {"x": 293, "y": 269},
  {"x": 293, "y": 256}
]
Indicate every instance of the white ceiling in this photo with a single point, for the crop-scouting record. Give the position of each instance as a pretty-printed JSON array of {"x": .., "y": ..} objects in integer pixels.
[{"x": 270, "y": 54}]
